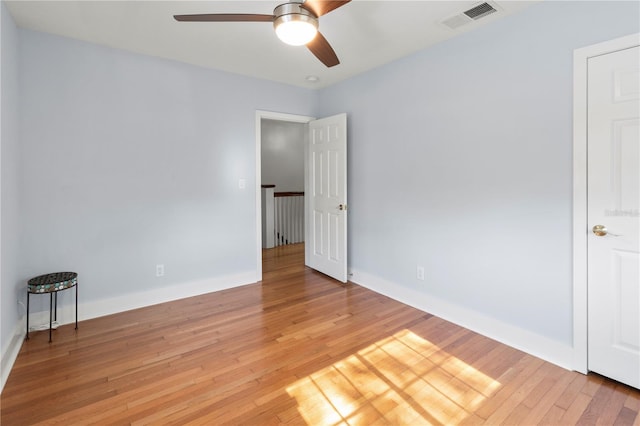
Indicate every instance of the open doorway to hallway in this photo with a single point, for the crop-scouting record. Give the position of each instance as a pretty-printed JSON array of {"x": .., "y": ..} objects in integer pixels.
[{"x": 281, "y": 141}]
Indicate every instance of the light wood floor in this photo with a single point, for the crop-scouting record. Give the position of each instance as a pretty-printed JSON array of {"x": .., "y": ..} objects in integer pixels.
[{"x": 298, "y": 348}]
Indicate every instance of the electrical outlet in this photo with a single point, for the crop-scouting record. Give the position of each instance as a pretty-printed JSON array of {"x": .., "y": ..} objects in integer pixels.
[
  {"x": 420, "y": 273},
  {"x": 159, "y": 270}
]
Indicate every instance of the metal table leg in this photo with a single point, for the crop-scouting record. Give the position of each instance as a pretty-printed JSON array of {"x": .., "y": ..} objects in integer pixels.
[
  {"x": 76, "y": 306},
  {"x": 50, "y": 314},
  {"x": 28, "y": 296}
]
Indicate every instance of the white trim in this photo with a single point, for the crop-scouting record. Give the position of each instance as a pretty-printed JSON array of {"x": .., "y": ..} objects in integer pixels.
[
  {"x": 129, "y": 301},
  {"x": 10, "y": 353},
  {"x": 535, "y": 344},
  {"x": 580, "y": 59},
  {"x": 4, "y": 371},
  {"x": 268, "y": 115}
]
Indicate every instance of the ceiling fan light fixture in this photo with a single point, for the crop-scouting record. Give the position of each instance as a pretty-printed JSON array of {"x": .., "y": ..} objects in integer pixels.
[
  {"x": 296, "y": 33},
  {"x": 295, "y": 25}
]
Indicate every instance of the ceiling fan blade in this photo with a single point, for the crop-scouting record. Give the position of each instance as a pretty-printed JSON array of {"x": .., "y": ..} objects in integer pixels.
[
  {"x": 321, "y": 48},
  {"x": 322, "y": 7},
  {"x": 224, "y": 17}
]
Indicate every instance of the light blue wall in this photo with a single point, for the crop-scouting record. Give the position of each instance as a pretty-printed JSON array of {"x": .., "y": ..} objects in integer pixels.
[
  {"x": 282, "y": 145},
  {"x": 460, "y": 160},
  {"x": 133, "y": 161},
  {"x": 10, "y": 225}
]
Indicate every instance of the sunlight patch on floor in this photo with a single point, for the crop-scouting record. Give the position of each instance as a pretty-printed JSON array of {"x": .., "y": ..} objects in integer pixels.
[{"x": 402, "y": 379}]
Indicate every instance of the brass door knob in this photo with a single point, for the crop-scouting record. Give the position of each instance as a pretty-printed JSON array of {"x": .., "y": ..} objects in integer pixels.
[{"x": 600, "y": 230}]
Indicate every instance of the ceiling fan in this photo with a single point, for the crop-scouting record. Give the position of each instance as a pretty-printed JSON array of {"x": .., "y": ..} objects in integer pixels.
[{"x": 295, "y": 23}]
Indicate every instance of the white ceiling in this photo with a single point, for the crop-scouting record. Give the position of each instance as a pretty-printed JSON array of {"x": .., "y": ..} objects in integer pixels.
[{"x": 364, "y": 34}]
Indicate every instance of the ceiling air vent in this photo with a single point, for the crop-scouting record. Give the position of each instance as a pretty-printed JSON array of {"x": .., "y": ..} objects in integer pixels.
[
  {"x": 480, "y": 11},
  {"x": 477, "y": 12}
]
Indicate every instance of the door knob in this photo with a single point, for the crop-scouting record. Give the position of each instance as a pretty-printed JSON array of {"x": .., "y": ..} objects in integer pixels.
[
  {"x": 601, "y": 231},
  {"x": 342, "y": 207}
]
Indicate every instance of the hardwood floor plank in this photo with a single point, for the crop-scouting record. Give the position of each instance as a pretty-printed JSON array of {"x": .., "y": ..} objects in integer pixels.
[
  {"x": 576, "y": 409},
  {"x": 612, "y": 408},
  {"x": 633, "y": 401},
  {"x": 552, "y": 416},
  {"x": 596, "y": 406},
  {"x": 499, "y": 406},
  {"x": 517, "y": 415},
  {"x": 551, "y": 390},
  {"x": 296, "y": 348},
  {"x": 625, "y": 417},
  {"x": 569, "y": 395}
]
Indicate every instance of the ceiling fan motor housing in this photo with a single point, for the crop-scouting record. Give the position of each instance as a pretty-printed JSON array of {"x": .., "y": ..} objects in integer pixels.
[{"x": 289, "y": 12}]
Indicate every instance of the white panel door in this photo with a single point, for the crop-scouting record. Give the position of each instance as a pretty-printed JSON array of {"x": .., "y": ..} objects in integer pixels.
[
  {"x": 614, "y": 203},
  {"x": 326, "y": 209}
]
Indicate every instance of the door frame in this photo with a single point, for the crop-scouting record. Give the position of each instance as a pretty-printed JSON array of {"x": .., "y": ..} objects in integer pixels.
[
  {"x": 268, "y": 115},
  {"x": 580, "y": 225}
]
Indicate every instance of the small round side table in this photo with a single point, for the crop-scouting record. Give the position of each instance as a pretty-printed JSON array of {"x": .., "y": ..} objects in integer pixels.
[{"x": 52, "y": 284}]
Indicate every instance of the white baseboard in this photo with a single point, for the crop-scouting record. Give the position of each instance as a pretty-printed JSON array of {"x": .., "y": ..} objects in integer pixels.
[
  {"x": 113, "y": 305},
  {"x": 521, "y": 339},
  {"x": 10, "y": 352},
  {"x": 129, "y": 301},
  {"x": 524, "y": 340}
]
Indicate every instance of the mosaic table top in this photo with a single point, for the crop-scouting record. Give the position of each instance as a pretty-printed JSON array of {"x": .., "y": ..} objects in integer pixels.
[{"x": 50, "y": 283}]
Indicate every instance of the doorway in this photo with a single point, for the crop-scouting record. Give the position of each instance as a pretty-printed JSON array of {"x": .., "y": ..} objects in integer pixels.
[
  {"x": 261, "y": 118},
  {"x": 606, "y": 293}
]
